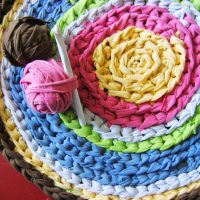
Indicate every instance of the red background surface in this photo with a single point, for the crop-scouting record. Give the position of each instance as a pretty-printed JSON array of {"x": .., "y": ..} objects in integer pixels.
[{"x": 13, "y": 186}]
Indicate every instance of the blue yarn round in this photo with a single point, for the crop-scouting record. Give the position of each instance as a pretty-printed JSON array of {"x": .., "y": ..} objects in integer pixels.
[
  {"x": 86, "y": 159},
  {"x": 49, "y": 10},
  {"x": 92, "y": 162}
]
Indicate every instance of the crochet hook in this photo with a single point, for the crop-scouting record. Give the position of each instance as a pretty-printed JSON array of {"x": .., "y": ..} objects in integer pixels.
[{"x": 68, "y": 69}]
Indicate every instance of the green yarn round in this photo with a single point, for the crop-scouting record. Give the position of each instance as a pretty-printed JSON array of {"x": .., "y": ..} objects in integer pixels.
[
  {"x": 77, "y": 10},
  {"x": 162, "y": 142},
  {"x": 196, "y": 4}
]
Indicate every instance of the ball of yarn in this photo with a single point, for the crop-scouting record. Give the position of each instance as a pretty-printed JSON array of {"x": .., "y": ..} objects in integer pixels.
[
  {"x": 27, "y": 39},
  {"x": 47, "y": 87}
]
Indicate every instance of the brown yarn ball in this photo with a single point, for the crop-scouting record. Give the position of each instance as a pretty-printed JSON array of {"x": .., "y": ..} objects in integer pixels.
[{"x": 27, "y": 39}]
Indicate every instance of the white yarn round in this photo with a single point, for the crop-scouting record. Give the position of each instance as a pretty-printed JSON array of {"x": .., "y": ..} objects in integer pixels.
[
  {"x": 93, "y": 186},
  {"x": 134, "y": 134}
]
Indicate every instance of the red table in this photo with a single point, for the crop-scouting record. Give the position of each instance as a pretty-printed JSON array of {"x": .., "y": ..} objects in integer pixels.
[{"x": 13, "y": 186}]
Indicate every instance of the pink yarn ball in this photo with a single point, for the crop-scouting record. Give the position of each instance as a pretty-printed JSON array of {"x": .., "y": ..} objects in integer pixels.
[{"x": 47, "y": 87}]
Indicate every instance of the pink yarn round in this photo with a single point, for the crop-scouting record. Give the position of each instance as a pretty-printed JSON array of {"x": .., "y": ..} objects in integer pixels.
[
  {"x": 47, "y": 87},
  {"x": 112, "y": 109}
]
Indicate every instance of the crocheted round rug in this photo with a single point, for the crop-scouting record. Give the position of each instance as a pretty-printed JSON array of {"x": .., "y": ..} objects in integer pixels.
[{"x": 137, "y": 64}]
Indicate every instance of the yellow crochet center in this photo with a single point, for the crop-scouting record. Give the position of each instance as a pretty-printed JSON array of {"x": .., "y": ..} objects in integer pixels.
[
  {"x": 22, "y": 149},
  {"x": 138, "y": 65}
]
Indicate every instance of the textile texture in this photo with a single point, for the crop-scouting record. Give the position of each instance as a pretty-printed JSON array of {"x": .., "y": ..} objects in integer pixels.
[{"x": 137, "y": 65}]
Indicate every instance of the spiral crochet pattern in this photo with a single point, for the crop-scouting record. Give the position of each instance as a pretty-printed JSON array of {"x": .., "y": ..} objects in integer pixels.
[
  {"x": 141, "y": 69},
  {"x": 132, "y": 147},
  {"x": 123, "y": 113}
]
